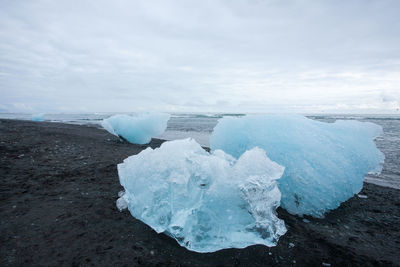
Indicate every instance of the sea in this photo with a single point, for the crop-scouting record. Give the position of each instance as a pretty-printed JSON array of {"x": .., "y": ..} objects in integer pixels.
[{"x": 200, "y": 127}]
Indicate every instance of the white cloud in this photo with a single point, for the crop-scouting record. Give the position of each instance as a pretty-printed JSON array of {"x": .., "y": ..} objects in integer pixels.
[{"x": 199, "y": 56}]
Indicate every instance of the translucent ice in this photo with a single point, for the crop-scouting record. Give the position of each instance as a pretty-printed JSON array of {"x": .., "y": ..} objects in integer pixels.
[
  {"x": 37, "y": 117},
  {"x": 325, "y": 163},
  {"x": 139, "y": 129},
  {"x": 205, "y": 201}
]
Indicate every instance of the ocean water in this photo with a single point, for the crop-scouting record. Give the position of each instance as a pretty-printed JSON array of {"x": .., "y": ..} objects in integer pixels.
[{"x": 200, "y": 126}]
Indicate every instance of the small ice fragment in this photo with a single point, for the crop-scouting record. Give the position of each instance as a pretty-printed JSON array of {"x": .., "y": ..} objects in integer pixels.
[
  {"x": 37, "y": 117},
  {"x": 291, "y": 245},
  {"x": 326, "y": 264},
  {"x": 362, "y": 196},
  {"x": 121, "y": 193},
  {"x": 122, "y": 204},
  {"x": 136, "y": 129},
  {"x": 270, "y": 253},
  {"x": 305, "y": 220}
]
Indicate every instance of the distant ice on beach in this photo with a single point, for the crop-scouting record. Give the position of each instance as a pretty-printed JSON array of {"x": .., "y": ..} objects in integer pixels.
[
  {"x": 37, "y": 117},
  {"x": 325, "y": 163},
  {"x": 137, "y": 129},
  {"x": 200, "y": 126},
  {"x": 207, "y": 202}
]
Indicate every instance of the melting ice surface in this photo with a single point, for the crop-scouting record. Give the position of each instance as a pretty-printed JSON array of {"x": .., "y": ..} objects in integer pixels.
[
  {"x": 139, "y": 129},
  {"x": 205, "y": 201},
  {"x": 325, "y": 163}
]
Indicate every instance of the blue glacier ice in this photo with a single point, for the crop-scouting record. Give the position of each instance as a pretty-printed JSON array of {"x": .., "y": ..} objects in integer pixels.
[
  {"x": 205, "y": 201},
  {"x": 325, "y": 163},
  {"x": 37, "y": 117},
  {"x": 137, "y": 129}
]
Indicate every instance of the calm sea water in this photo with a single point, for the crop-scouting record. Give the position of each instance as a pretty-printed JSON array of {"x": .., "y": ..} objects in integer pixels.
[{"x": 200, "y": 126}]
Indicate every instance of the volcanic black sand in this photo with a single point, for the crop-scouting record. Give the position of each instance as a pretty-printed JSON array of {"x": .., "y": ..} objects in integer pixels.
[{"x": 59, "y": 184}]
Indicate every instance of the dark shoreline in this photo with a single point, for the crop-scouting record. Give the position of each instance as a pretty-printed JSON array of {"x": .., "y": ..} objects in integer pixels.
[{"x": 58, "y": 189}]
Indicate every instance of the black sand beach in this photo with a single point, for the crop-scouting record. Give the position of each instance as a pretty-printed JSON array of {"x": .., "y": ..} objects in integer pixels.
[{"x": 58, "y": 188}]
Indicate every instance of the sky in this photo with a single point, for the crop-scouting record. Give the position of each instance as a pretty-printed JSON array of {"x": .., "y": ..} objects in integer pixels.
[{"x": 303, "y": 56}]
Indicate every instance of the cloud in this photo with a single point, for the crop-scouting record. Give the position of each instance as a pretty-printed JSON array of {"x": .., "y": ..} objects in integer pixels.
[
  {"x": 222, "y": 55},
  {"x": 386, "y": 97}
]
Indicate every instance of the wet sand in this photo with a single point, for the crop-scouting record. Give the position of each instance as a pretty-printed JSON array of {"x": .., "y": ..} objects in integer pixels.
[{"x": 58, "y": 188}]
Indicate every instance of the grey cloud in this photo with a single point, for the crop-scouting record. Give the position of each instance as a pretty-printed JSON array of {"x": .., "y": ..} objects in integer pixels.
[{"x": 130, "y": 55}]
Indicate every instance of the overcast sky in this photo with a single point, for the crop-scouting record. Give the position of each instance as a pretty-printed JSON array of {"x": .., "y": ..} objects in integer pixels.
[{"x": 200, "y": 56}]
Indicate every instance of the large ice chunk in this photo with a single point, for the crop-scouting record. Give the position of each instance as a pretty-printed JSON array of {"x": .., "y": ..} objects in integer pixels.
[
  {"x": 325, "y": 163},
  {"x": 138, "y": 129},
  {"x": 205, "y": 201}
]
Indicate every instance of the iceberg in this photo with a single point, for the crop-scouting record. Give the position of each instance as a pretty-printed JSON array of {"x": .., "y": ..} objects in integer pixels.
[
  {"x": 138, "y": 129},
  {"x": 207, "y": 202},
  {"x": 325, "y": 163},
  {"x": 37, "y": 117}
]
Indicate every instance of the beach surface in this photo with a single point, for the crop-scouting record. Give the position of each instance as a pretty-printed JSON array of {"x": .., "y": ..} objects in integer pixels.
[{"x": 58, "y": 188}]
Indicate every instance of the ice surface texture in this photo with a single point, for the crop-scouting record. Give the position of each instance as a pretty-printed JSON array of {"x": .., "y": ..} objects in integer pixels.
[
  {"x": 205, "y": 201},
  {"x": 139, "y": 129},
  {"x": 325, "y": 163},
  {"x": 37, "y": 117}
]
